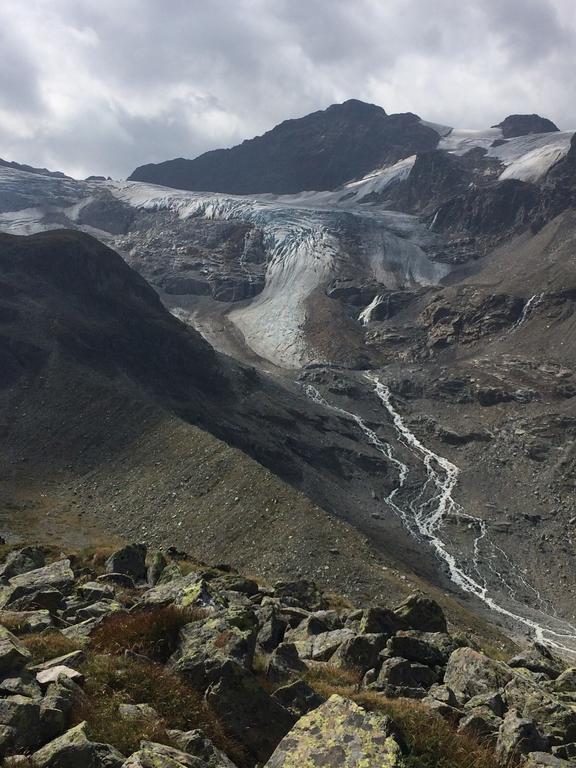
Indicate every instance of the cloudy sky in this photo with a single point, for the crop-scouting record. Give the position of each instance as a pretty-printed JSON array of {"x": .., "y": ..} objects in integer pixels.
[{"x": 101, "y": 86}]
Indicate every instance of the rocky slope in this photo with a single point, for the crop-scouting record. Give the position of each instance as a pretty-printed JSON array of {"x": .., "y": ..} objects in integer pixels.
[{"x": 126, "y": 661}]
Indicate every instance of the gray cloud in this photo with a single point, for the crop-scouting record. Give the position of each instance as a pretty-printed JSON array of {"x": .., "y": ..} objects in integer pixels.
[{"x": 100, "y": 86}]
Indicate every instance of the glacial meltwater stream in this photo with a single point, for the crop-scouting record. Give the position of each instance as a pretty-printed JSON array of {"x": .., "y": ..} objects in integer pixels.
[{"x": 424, "y": 515}]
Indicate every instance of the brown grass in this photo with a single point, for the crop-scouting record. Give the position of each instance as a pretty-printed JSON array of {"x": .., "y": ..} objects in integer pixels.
[
  {"x": 432, "y": 742},
  {"x": 338, "y": 602},
  {"x": 13, "y": 622},
  {"x": 48, "y": 645},
  {"x": 93, "y": 558},
  {"x": 113, "y": 680},
  {"x": 152, "y": 633}
]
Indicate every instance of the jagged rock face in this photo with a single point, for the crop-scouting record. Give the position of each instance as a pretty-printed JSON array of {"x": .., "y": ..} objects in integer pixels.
[
  {"x": 320, "y": 151},
  {"x": 522, "y": 125},
  {"x": 31, "y": 169},
  {"x": 498, "y": 209}
]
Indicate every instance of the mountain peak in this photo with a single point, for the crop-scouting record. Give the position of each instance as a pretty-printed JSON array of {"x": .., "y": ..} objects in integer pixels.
[{"x": 523, "y": 125}]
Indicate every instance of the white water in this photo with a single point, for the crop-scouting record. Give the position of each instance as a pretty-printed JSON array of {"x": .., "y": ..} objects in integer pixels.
[
  {"x": 527, "y": 311},
  {"x": 426, "y": 514}
]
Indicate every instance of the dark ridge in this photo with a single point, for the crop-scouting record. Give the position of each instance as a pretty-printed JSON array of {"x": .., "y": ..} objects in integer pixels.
[
  {"x": 31, "y": 169},
  {"x": 320, "y": 151},
  {"x": 523, "y": 125}
]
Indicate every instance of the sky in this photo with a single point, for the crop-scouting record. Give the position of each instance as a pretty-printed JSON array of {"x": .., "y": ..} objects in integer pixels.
[{"x": 102, "y": 86}]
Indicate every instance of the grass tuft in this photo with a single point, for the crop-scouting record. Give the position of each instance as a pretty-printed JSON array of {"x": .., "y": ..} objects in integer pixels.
[
  {"x": 152, "y": 633},
  {"x": 113, "y": 680},
  {"x": 48, "y": 645}
]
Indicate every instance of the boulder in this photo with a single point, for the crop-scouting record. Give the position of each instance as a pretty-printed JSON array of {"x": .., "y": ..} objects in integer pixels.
[
  {"x": 322, "y": 647},
  {"x": 130, "y": 561},
  {"x": 24, "y": 684},
  {"x": 339, "y": 734},
  {"x": 301, "y": 594},
  {"x": 75, "y": 750},
  {"x": 360, "y": 652},
  {"x": 285, "y": 663},
  {"x": 565, "y": 682},
  {"x": 482, "y": 724},
  {"x": 56, "y": 578},
  {"x": 298, "y": 698},
  {"x": 469, "y": 673},
  {"x": 204, "y": 646},
  {"x": 22, "y": 561},
  {"x": 138, "y": 712},
  {"x": 423, "y": 613},
  {"x": 381, "y": 621},
  {"x": 93, "y": 591},
  {"x": 52, "y": 674},
  {"x": 28, "y": 621},
  {"x": 315, "y": 624},
  {"x": 62, "y": 697},
  {"x": 157, "y": 568},
  {"x": 537, "y": 658},
  {"x": 151, "y": 755},
  {"x": 197, "y": 744},
  {"x": 13, "y": 654},
  {"x": 399, "y": 677},
  {"x": 272, "y": 632},
  {"x": 73, "y": 660},
  {"x": 545, "y": 760},
  {"x": 247, "y": 712},
  {"x": 22, "y": 716},
  {"x": 518, "y": 736},
  {"x": 430, "y": 648}
]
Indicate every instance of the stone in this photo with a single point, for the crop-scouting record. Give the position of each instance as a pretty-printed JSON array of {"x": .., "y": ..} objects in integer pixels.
[
  {"x": 423, "y": 613},
  {"x": 469, "y": 673},
  {"x": 381, "y": 621},
  {"x": 151, "y": 755},
  {"x": 56, "y": 577},
  {"x": 272, "y": 632},
  {"x": 101, "y": 608},
  {"x": 298, "y": 698},
  {"x": 322, "y": 647},
  {"x": 92, "y": 591},
  {"x": 315, "y": 624},
  {"x": 247, "y": 712},
  {"x": 121, "y": 580},
  {"x": 360, "y": 652},
  {"x": 21, "y": 714},
  {"x": 565, "y": 682},
  {"x": 537, "y": 658},
  {"x": 482, "y": 724},
  {"x": 565, "y": 751},
  {"x": 285, "y": 663},
  {"x": 81, "y": 632},
  {"x": 51, "y": 675},
  {"x": 493, "y": 701},
  {"x": 204, "y": 646},
  {"x": 197, "y": 744},
  {"x": 23, "y": 685},
  {"x": 518, "y": 736},
  {"x": 545, "y": 760},
  {"x": 400, "y": 673},
  {"x": 301, "y": 594},
  {"x": 339, "y": 734},
  {"x": 22, "y": 561},
  {"x": 75, "y": 750},
  {"x": 430, "y": 648},
  {"x": 13, "y": 654},
  {"x": 73, "y": 660},
  {"x": 130, "y": 561},
  {"x": 62, "y": 697},
  {"x": 157, "y": 568},
  {"x": 138, "y": 712},
  {"x": 51, "y": 600}
]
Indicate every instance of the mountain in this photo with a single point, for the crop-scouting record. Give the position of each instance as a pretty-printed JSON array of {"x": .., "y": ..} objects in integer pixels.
[
  {"x": 398, "y": 349},
  {"x": 320, "y": 151}
]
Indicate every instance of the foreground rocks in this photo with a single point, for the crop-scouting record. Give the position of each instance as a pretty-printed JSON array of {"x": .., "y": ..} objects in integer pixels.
[{"x": 253, "y": 654}]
